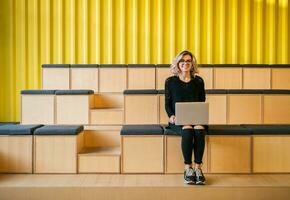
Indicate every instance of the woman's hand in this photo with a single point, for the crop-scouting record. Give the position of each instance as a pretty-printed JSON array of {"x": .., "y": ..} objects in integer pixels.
[{"x": 172, "y": 119}]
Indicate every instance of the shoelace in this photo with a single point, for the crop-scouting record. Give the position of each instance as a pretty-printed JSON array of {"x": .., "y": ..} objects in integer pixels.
[{"x": 189, "y": 172}]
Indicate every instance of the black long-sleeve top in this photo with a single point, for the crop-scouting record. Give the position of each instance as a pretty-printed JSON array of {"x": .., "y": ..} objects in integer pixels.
[{"x": 177, "y": 90}]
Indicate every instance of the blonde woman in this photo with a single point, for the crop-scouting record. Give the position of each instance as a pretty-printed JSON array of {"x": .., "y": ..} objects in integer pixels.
[{"x": 187, "y": 86}]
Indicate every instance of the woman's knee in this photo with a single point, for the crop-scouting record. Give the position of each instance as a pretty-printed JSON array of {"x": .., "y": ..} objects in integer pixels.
[
  {"x": 200, "y": 127},
  {"x": 187, "y": 127}
]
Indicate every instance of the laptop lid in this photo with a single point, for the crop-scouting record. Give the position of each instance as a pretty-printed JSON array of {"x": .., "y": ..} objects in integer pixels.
[{"x": 191, "y": 113}]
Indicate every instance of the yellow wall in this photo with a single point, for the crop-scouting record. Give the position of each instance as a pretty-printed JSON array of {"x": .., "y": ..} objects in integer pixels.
[{"x": 132, "y": 31}]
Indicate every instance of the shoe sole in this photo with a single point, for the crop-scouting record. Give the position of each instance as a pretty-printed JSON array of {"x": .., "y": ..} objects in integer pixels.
[
  {"x": 189, "y": 182},
  {"x": 200, "y": 183}
]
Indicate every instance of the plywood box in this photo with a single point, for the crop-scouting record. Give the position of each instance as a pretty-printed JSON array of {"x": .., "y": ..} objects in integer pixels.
[
  {"x": 57, "y": 153},
  {"x": 142, "y": 154},
  {"x": 229, "y": 154},
  {"x": 141, "y": 78},
  {"x": 38, "y": 109},
  {"x": 15, "y": 154}
]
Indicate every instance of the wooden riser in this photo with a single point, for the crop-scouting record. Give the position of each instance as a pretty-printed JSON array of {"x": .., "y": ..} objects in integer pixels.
[
  {"x": 99, "y": 160},
  {"x": 143, "y": 187},
  {"x": 107, "y": 116}
]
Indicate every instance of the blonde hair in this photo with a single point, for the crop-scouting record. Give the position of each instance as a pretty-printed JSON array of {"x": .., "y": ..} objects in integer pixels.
[{"x": 174, "y": 66}]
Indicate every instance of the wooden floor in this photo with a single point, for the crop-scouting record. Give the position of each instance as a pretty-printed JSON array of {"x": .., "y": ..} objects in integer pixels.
[{"x": 163, "y": 187}]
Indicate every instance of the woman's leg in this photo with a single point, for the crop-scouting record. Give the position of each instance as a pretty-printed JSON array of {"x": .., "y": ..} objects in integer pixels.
[
  {"x": 187, "y": 136},
  {"x": 199, "y": 144}
]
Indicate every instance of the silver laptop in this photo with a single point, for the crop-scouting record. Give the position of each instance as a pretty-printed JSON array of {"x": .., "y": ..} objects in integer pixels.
[{"x": 191, "y": 113}]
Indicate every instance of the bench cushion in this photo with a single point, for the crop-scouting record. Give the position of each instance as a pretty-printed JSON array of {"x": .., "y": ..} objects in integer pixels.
[
  {"x": 18, "y": 129},
  {"x": 228, "y": 130},
  {"x": 276, "y": 91},
  {"x": 163, "y": 65},
  {"x": 141, "y": 65},
  {"x": 142, "y": 130},
  {"x": 38, "y": 91},
  {"x": 59, "y": 130},
  {"x": 74, "y": 92},
  {"x": 140, "y": 92},
  {"x": 168, "y": 131},
  {"x": 8, "y": 123},
  {"x": 216, "y": 91},
  {"x": 84, "y": 66},
  {"x": 56, "y": 66},
  {"x": 247, "y": 91},
  {"x": 268, "y": 129},
  {"x": 113, "y": 66}
]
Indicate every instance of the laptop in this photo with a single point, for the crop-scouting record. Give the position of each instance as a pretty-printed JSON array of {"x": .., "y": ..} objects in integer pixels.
[{"x": 187, "y": 113}]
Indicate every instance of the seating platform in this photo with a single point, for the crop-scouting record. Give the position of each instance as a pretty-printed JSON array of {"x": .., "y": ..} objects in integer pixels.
[{"x": 143, "y": 187}]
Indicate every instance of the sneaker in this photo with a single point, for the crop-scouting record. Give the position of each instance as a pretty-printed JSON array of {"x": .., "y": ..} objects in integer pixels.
[
  {"x": 199, "y": 177},
  {"x": 189, "y": 177}
]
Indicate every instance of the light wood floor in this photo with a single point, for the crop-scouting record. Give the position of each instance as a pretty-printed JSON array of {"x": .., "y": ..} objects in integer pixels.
[{"x": 91, "y": 186}]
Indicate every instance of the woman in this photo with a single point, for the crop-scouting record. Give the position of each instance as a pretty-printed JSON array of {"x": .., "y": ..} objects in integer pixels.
[{"x": 186, "y": 86}]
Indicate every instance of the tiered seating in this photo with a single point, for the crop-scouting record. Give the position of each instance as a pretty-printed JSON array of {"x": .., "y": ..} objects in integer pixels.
[{"x": 104, "y": 97}]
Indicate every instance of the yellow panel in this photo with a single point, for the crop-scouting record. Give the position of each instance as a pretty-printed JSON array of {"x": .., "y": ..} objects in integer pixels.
[
  {"x": 257, "y": 32},
  {"x": 219, "y": 33},
  {"x": 57, "y": 30},
  {"x": 136, "y": 32},
  {"x": 244, "y": 32},
  {"x": 69, "y": 33},
  {"x": 270, "y": 32},
  {"x": 232, "y": 31},
  {"x": 282, "y": 32},
  {"x": 81, "y": 32}
]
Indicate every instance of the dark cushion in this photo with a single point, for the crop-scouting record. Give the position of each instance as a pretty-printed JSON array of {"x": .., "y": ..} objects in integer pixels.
[
  {"x": 113, "y": 66},
  {"x": 18, "y": 129},
  {"x": 228, "y": 130},
  {"x": 161, "y": 91},
  {"x": 8, "y": 123},
  {"x": 84, "y": 66},
  {"x": 142, "y": 130},
  {"x": 141, "y": 65},
  {"x": 163, "y": 65},
  {"x": 255, "y": 65},
  {"x": 243, "y": 91},
  {"x": 74, "y": 92},
  {"x": 140, "y": 92},
  {"x": 226, "y": 65},
  {"x": 216, "y": 91},
  {"x": 59, "y": 130},
  {"x": 38, "y": 91},
  {"x": 168, "y": 131},
  {"x": 268, "y": 129},
  {"x": 276, "y": 91},
  {"x": 205, "y": 65},
  {"x": 55, "y": 65},
  {"x": 280, "y": 65}
]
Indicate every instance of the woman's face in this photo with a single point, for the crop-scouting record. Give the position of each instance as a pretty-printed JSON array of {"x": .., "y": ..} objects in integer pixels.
[{"x": 185, "y": 63}]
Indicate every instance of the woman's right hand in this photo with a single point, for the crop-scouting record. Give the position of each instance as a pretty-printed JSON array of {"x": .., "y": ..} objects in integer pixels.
[{"x": 172, "y": 119}]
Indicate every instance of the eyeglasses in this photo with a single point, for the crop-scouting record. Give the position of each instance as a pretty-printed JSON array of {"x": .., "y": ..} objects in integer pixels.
[{"x": 185, "y": 61}]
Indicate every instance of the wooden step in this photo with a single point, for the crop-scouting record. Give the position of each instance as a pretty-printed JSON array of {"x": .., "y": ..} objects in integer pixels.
[
  {"x": 99, "y": 160},
  {"x": 107, "y": 116},
  {"x": 143, "y": 187}
]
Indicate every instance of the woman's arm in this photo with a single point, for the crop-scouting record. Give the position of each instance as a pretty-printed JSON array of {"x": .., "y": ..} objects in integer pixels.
[
  {"x": 168, "y": 99},
  {"x": 202, "y": 97}
]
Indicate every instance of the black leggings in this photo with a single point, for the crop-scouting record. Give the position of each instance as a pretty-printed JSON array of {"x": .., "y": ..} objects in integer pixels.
[{"x": 191, "y": 139}]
